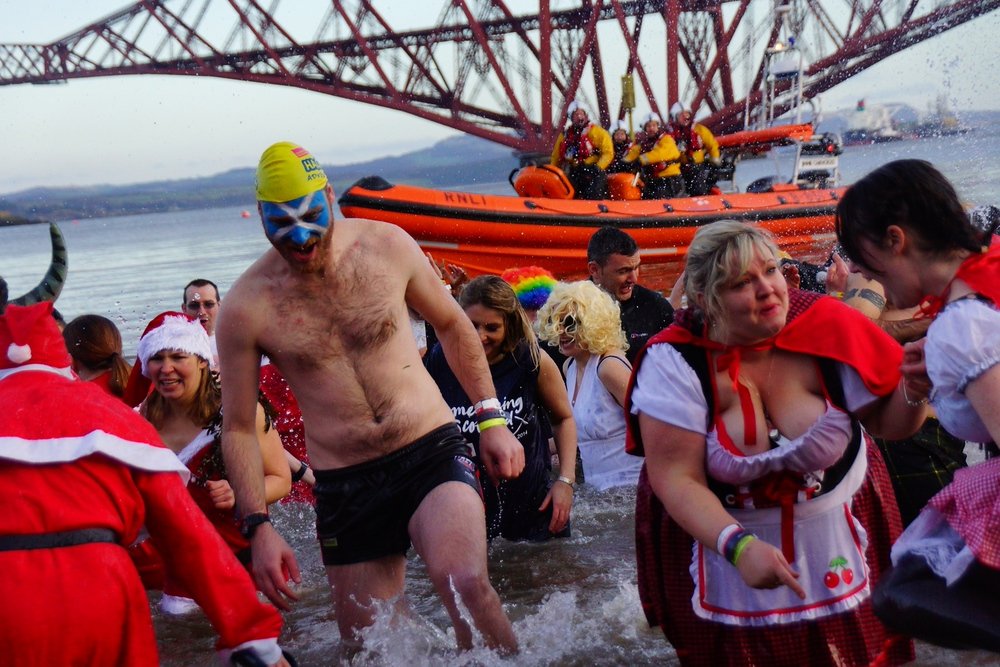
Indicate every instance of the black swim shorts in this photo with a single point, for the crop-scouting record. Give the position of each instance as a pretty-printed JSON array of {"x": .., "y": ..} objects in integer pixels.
[{"x": 363, "y": 511}]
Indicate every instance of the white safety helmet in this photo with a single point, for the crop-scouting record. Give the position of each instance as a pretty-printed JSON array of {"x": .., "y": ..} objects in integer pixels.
[
  {"x": 677, "y": 109},
  {"x": 652, "y": 117},
  {"x": 573, "y": 106}
]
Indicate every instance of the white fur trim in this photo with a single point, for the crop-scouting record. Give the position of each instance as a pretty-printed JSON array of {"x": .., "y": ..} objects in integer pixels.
[
  {"x": 66, "y": 372},
  {"x": 573, "y": 106},
  {"x": 200, "y": 442},
  {"x": 141, "y": 455},
  {"x": 19, "y": 353},
  {"x": 175, "y": 333},
  {"x": 652, "y": 116},
  {"x": 677, "y": 109}
]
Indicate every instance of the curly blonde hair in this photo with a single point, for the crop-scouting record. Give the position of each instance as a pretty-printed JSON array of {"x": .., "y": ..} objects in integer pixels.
[{"x": 597, "y": 314}]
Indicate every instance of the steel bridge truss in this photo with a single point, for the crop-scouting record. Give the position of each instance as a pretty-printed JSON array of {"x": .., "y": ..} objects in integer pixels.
[{"x": 489, "y": 70}]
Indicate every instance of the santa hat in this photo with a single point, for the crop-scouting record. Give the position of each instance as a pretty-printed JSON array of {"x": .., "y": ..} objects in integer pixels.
[
  {"x": 173, "y": 331},
  {"x": 678, "y": 109},
  {"x": 652, "y": 117},
  {"x": 30, "y": 339},
  {"x": 531, "y": 284}
]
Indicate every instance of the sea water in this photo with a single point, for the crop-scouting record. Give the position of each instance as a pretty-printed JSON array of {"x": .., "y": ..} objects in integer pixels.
[{"x": 572, "y": 601}]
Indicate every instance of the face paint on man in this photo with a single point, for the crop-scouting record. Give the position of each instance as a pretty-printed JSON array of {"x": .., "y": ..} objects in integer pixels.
[{"x": 297, "y": 221}]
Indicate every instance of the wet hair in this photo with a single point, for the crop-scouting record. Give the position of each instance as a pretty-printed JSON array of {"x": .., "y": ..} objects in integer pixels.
[
  {"x": 608, "y": 241},
  {"x": 204, "y": 408},
  {"x": 200, "y": 282},
  {"x": 911, "y": 194},
  {"x": 595, "y": 314},
  {"x": 95, "y": 343},
  {"x": 494, "y": 292},
  {"x": 720, "y": 252}
]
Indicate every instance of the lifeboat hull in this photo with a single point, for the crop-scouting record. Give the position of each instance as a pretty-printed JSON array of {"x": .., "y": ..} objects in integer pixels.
[{"x": 486, "y": 233}]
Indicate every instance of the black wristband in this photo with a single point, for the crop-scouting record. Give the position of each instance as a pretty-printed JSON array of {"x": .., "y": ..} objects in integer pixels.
[
  {"x": 300, "y": 473},
  {"x": 251, "y": 522}
]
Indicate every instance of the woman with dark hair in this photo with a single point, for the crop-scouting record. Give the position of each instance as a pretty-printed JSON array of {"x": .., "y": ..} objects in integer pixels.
[
  {"x": 764, "y": 514},
  {"x": 95, "y": 344},
  {"x": 532, "y": 400},
  {"x": 904, "y": 225},
  {"x": 185, "y": 409}
]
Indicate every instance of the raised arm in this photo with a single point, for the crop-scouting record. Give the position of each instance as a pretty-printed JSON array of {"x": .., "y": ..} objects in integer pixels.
[{"x": 552, "y": 393}]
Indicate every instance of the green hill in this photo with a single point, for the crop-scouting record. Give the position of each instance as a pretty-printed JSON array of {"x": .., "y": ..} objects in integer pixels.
[{"x": 456, "y": 161}]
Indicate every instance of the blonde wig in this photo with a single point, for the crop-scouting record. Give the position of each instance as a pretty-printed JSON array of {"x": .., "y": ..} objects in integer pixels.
[{"x": 595, "y": 314}]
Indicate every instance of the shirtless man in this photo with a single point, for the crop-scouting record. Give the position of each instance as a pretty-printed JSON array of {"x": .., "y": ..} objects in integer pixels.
[{"x": 328, "y": 305}]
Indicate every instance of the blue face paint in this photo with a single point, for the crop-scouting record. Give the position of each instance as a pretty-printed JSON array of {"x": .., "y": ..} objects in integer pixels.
[{"x": 298, "y": 220}]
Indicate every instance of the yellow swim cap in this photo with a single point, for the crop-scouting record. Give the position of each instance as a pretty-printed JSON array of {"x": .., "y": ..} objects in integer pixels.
[{"x": 286, "y": 172}]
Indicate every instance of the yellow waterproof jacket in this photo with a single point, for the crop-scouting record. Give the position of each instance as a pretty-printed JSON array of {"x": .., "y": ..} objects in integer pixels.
[
  {"x": 663, "y": 159},
  {"x": 597, "y": 142},
  {"x": 702, "y": 140}
]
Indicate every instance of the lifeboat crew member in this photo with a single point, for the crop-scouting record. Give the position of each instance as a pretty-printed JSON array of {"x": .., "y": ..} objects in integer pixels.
[
  {"x": 657, "y": 153},
  {"x": 584, "y": 150},
  {"x": 693, "y": 141},
  {"x": 622, "y": 142}
]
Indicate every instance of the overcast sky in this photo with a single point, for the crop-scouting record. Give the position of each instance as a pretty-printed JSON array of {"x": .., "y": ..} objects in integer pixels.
[{"x": 138, "y": 128}]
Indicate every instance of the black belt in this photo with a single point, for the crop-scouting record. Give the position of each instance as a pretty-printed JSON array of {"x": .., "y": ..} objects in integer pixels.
[{"x": 67, "y": 538}]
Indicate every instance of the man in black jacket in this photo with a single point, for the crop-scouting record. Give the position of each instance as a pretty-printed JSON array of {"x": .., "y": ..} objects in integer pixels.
[{"x": 613, "y": 263}]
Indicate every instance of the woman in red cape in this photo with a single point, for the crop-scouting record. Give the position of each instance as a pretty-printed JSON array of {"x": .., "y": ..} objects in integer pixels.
[{"x": 764, "y": 516}]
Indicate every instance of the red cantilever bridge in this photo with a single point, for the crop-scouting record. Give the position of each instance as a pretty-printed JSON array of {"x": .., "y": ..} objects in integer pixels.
[{"x": 502, "y": 70}]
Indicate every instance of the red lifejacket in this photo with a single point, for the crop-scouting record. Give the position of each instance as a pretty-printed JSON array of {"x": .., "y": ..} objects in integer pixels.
[
  {"x": 688, "y": 141},
  {"x": 579, "y": 141}
]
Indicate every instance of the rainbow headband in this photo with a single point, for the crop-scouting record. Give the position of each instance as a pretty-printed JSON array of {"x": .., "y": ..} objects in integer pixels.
[
  {"x": 531, "y": 284},
  {"x": 287, "y": 171}
]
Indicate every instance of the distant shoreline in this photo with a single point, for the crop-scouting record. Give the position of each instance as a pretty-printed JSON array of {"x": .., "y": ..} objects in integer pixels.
[{"x": 12, "y": 220}]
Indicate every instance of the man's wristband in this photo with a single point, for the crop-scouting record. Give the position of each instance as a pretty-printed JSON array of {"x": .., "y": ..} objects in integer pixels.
[
  {"x": 300, "y": 473},
  {"x": 566, "y": 480},
  {"x": 490, "y": 423},
  {"x": 251, "y": 522},
  {"x": 487, "y": 404}
]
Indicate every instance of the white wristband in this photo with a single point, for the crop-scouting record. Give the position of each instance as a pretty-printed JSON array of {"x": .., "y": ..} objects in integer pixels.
[
  {"x": 725, "y": 534},
  {"x": 488, "y": 404}
]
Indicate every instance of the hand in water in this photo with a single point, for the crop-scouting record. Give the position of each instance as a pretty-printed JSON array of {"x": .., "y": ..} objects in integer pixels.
[
  {"x": 273, "y": 564},
  {"x": 560, "y": 496}
]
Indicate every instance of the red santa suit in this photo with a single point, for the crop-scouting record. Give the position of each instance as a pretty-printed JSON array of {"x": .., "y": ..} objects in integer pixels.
[{"x": 81, "y": 474}]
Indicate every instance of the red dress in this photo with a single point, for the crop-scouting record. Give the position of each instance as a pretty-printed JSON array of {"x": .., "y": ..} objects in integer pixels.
[
  {"x": 73, "y": 458},
  {"x": 664, "y": 549}
]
